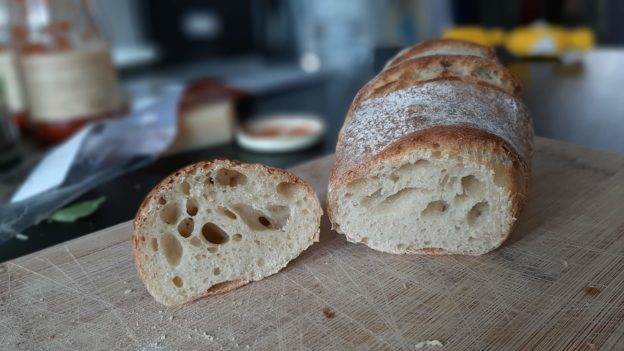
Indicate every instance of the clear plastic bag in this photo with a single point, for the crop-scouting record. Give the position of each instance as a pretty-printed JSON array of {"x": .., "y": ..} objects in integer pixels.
[{"x": 98, "y": 153}]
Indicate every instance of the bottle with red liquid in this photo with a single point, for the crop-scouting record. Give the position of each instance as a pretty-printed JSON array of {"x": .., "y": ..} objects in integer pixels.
[
  {"x": 68, "y": 74},
  {"x": 9, "y": 73}
]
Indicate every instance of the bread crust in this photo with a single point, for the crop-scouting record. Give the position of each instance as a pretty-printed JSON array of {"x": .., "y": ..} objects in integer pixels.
[
  {"x": 426, "y": 47},
  {"x": 414, "y": 71},
  {"x": 473, "y": 144},
  {"x": 138, "y": 225}
]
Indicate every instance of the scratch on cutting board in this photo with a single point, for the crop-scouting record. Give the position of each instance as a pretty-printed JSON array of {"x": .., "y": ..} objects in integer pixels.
[
  {"x": 280, "y": 334},
  {"x": 113, "y": 309},
  {"x": 48, "y": 261},
  {"x": 488, "y": 285},
  {"x": 390, "y": 322},
  {"x": 324, "y": 276},
  {"x": 9, "y": 294},
  {"x": 360, "y": 325},
  {"x": 593, "y": 249}
]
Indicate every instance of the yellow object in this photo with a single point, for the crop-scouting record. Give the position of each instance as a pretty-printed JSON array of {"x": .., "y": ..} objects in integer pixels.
[
  {"x": 533, "y": 40},
  {"x": 495, "y": 36},
  {"x": 540, "y": 40},
  {"x": 581, "y": 39},
  {"x": 547, "y": 40},
  {"x": 473, "y": 34},
  {"x": 476, "y": 34}
]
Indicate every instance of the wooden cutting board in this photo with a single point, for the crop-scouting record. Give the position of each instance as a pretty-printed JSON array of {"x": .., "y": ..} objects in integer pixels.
[{"x": 558, "y": 283}]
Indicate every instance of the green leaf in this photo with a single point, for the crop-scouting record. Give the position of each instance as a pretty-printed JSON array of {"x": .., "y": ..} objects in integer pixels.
[{"x": 76, "y": 211}]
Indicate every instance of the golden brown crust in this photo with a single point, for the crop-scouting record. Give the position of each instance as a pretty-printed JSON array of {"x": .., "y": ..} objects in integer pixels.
[
  {"x": 422, "y": 70},
  {"x": 430, "y": 46},
  {"x": 225, "y": 287},
  {"x": 138, "y": 224}
]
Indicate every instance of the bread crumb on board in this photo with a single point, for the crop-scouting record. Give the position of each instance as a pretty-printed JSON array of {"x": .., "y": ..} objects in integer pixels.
[
  {"x": 425, "y": 343},
  {"x": 328, "y": 313}
]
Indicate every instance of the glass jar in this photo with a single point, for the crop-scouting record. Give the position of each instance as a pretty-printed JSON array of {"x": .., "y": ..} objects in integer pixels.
[
  {"x": 9, "y": 76},
  {"x": 69, "y": 78}
]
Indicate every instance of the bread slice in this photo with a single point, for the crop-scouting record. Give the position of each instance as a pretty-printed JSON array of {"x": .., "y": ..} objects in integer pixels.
[
  {"x": 450, "y": 190},
  {"x": 441, "y": 167},
  {"x": 215, "y": 226},
  {"x": 443, "y": 47}
]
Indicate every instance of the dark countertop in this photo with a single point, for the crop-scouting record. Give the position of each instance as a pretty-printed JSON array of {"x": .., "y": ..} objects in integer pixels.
[{"x": 577, "y": 102}]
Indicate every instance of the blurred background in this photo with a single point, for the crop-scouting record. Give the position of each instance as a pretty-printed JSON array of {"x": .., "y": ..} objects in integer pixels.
[{"x": 262, "y": 81}]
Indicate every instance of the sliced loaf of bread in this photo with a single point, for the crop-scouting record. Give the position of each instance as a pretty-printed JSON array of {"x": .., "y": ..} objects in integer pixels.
[
  {"x": 215, "y": 226},
  {"x": 434, "y": 155}
]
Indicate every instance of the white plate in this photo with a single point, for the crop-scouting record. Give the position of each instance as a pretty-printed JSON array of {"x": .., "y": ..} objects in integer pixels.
[{"x": 282, "y": 142}]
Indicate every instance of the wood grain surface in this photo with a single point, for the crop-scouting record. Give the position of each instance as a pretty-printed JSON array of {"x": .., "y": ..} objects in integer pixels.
[{"x": 557, "y": 284}]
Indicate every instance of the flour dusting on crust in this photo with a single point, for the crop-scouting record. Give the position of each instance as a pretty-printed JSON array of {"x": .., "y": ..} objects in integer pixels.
[{"x": 379, "y": 122}]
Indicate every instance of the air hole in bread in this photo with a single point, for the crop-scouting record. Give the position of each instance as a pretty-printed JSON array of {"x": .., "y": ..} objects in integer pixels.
[
  {"x": 177, "y": 281},
  {"x": 436, "y": 154},
  {"x": 195, "y": 241},
  {"x": 185, "y": 188},
  {"x": 192, "y": 207},
  {"x": 435, "y": 208},
  {"x": 265, "y": 222},
  {"x": 260, "y": 262},
  {"x": 500, "y": 176},
  {"x": 162, "y": 200},
  {"x": 258, "y": 220},
  {"x": 471, "y": 185},
  {"x": 229, "y": 177},
  {"x": 400, "y": 247},
  {"x": 286, "y": 189},
  {"x": 237, "y": 237},
  {"x": 213, "y": 249},
  {"x": 216, "y": 271},
  {"x": 405, "y": 193},
  {"x": 214, "y": 235},
  {"x": 407, "y": 169},
  {"x": 371, "y": 198},
  {"x": 169, "y": 213},
  {"x": 459, "y": 199},
  {"x": 279, "y": 215},
  {"x": 478, "y": 211},
  {"x": 172, "y": 249},
  {"x": 229, "y": 214},
  {"x": 356, "y": 185},
  {"x": 364, "y": 240},
  {"x": 185, "y": 227},
  {"x": 154, "y": 244}
]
